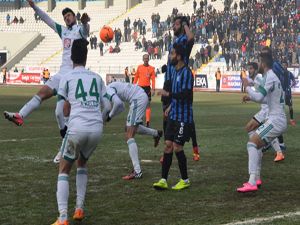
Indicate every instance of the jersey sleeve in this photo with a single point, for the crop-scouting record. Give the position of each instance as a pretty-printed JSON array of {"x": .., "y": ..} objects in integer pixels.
[
  {"x": 44, "y": 16},
  {"x": 84, "y": 30},
  {"x": 63, "y": 89},
  {"x": 105, "y": 104}
]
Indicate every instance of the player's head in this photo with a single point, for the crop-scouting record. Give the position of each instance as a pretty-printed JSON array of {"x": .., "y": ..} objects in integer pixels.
[
  {"x": 266, "y": 50},
  {"x": 252, "y": 68},
  {"x": 285, "y": 64},
  {"x": 266, "y": 62},
  {"x": 177, "y": 26},
  {"x": 79, "y": 51},
  {"x": 69, "y": 17},
  {"x": 146, "y": 59},
  {"x": 177, "y": 54}
]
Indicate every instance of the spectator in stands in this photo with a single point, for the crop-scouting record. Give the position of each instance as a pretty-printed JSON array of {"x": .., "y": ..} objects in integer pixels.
[
  {"x": 127, "y": 76},
  {"x": 195, "y": 6},
  {"x": 227, "y": 59},
  {"x": 36, "y": 17},
  {"x": 7, "y": 19},
  {"x": 16, "y": 70},
  {"x": 46, "y": 75},
  {"x": 218, "y": 80},
  {"x": 95, "y": 40},
  {"x": 21, "y": 20},
  {"x": 135, "y": 25},
  {"x": 138, "y": 45},
  {"x": 233, "y": 60},
  {"x": 78, "y": 16},
  {"x": 157, "y": 72},
  {"x": 15, "y": 20},
  {"x": 92, "y": 41},
  {"x": 133, "y": 72},
  {"x": 111, "y": 49},
  {"x": 4, "y": 74},
  {"x": 101, "y": 46},
  {"x": 243, "y": 76}
]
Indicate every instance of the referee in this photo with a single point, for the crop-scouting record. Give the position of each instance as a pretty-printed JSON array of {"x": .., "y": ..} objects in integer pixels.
[
  {"x": 186, "y": 38},
  {"x": 180, "y": 119},
  {"x": 144, "y": 74}
]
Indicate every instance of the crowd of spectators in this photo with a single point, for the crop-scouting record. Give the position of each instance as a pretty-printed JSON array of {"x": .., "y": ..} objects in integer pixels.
[{"x": 15, "y": 20}]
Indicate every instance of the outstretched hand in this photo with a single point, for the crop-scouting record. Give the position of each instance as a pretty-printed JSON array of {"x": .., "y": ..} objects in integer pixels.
[
  {"x": 31, "y": 3},
  {"x": 85, "y": 18}
]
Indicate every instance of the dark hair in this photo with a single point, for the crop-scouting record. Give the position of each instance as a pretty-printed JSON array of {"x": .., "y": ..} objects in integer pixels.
[
  {"x": 164, "y": 68},
  {"x": 266, "y": 50},
  {"x": 267, "y": 59},
  {"x": 67, "y": 10},
  {"x": 182, "y": 19},
  {"x": 254, "y": 65},
  {"x": 179, "y": 49},
  {"x": 79, "y": 51}
]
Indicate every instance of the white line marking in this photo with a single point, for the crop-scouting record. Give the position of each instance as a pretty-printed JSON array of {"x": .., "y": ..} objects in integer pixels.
[
  {"x": 148, "y": 161},
  {"x": 27, "y": 139},
  {"x": 265, "y": 219}
]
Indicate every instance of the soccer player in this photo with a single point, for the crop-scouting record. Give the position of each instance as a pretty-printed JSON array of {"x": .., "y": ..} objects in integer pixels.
[
  {"x": 259, "y": 118},
  {"x": 185, "y": 37},
  {"x": 144, "y": 74},
  {"x": 180, "y": 119},
  {"x": 118, "y": 93},
  {"x": 289, "y": 82},
  {"x": 270, "y": 92},
  {"x": 68, "y": 34},
  {"x": 80, "y": 90}
]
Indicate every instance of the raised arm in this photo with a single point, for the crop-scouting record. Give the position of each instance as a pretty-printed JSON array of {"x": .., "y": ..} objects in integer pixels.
[
  {"x": 44, "y": 16},
  {"x": 85, "y": 28}
]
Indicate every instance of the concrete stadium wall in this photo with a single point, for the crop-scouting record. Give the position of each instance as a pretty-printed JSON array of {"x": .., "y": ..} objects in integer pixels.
[
  {"x": 14, "y": 41},
  {"x": 18, "y": 45}
]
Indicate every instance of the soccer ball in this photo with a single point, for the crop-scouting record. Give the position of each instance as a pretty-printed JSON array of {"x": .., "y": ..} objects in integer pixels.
[{"x": 106, "y": 34}]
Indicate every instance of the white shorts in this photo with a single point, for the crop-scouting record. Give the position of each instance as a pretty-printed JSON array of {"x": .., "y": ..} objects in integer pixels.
[
  {"x": 261, "y": 116},
  {"x": 271, "y": 129},
  {"x": 54, "y": 80},
  {"x": 137, "y": 110},
  {"x": 83, "y": 143}
]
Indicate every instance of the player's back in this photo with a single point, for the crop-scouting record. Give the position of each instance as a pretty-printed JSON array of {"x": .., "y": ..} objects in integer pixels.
[
  {"x": 126, "y": 91},
  {"x": 83, "y": 89},
  {"x": 275, "y": 95}
]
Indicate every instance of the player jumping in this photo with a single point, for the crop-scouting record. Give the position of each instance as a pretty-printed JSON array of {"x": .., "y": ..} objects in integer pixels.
[{"x": 68, "y": 34}]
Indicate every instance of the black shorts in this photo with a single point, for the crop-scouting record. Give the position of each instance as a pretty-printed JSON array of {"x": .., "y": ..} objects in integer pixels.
[
  {"x": 178, "y": 132},
  {"x": 147, "y": 89},
  {"x": 288, "y": 100}
]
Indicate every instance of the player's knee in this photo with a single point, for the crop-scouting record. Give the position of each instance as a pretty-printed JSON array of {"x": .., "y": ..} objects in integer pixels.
[
  {"x": 168, "y": 147},
  {"x": 45, "y": 93}
]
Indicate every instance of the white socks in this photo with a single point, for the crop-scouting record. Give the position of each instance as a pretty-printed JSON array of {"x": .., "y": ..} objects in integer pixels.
[
  {"x": 81, "y": 182},
  {"x": 253, "y": 161},
  {"x": 147, "y": 131},
  {"x": 30, "y": 106},
  {"x": 275, "y": 145},
  {"x": 59, "y": 113},
  {"x": 260, "y": 155},
  {"x": 62, "y": 195},
  {"x": 133, "y": 152}
]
